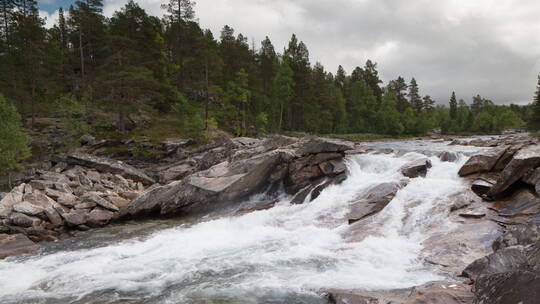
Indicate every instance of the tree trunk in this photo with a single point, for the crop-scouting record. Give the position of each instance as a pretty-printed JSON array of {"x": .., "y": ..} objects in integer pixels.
[
  {"x": 81, "y": 54},
  {"x": 207, "y": 94},
  {"x": 280, "y": 116}
]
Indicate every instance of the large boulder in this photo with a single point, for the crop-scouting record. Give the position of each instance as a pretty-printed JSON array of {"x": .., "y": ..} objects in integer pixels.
[
  {"x": 13, "y": 197},
  {"x": 517, "y": 168},
  {"x": 524, "y": 202},
  {"x": 504, "y": 260},
  {"x": 320, "y": 145},
  {"x": 518, "y": 235},
  {"x": 416, "y": 168},
  {"x": 203, "y": 191},
  {"x": 512, "y": 287},
  {"x": 482, "y": 162},
  {"x": 482, "y": 186},
  {"x": 372, "y": 201},
  {"x": 16, "y": 244},
  {"x": 110, "y": 166}
]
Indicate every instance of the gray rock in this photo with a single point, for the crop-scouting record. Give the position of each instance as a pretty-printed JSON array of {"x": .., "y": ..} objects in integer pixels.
[
  {"x": 177, "y": 171},
  {"x": 93, "y": 198},
  {"x": 59, "y": 167},
  {"x": 518, "y": 235},
  {"x": 372, "y": 201},
  {"x": 13, "y": 197},
  {"x": 53, "y": 216},
  {"x": 99, "y": 217},
  {"x": 416, "y": 168},
  {"x": 343, "y": 297},
  {"x": 521, "y": 163},
  {"x": 503, "y": 260},
  {"x": 28, "y": 208},
  {"x": 110, "y": 166},
  {"x": 482, "y": 162},
  {"x": 76, "y": 217},
  {"x": 482, "y": 186},
  {"x": 320, "y": 145},
  {"x": 448, "y": 156},
  {"x": 62, "y": 187},
  {"x": 87, "y": 140},
  {"x": 16, "y": 244},
  {"x": 85, "y": 205},
  {"x": 522, "y": 203}
]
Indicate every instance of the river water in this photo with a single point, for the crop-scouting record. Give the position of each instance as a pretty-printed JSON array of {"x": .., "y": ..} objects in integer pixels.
[{"x": 286, "y": 254}]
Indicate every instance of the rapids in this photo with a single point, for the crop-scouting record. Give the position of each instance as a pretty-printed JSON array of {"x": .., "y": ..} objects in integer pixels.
[{"x": 282, "y": 255}]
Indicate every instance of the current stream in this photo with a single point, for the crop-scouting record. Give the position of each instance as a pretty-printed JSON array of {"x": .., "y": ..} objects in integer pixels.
[{"x": 286, "y": 254}]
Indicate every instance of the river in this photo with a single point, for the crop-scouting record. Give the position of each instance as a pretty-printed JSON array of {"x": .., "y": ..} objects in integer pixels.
[{"x": 286, "y": 254}]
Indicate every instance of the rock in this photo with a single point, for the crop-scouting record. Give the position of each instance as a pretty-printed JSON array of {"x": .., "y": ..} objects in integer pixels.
[
  {"x": 372, "y": 201},
  {"x": 441, "y": 293},
  {"x": 522, "y": 203},
  {"x": 53, "y": 216},
  {"x": 28, "y": 208},
  {"x": 350, "y": 298},
  {"x": 16, "y": 244},
  {"x": 462, "y": 201},
  {"x": 99, "y": 217},
  {"x": 12, "y": 198},
  {"x": 85, "y": 205},
  {"x": 504, "y": 260},
  {"x": 75, "y": 217},
  {"x": 23, "y": 220},
  {"x": 416, "y": 168},
  {"x": 67, "y": 199},
  {"x": 507, "y": 156},
  {"x": 475, "y": 215},
  {"x": 62, "y": 187},
  {"x": 448, "y": 156},
  {"x": 320, "y": 145},
  {"x": 521, "y": 163},
  {"x": 110, "y": 166},
  {"x": 93, "y": 198},
  {"x": 533, "y": 178},
  {"x": 513, "y": 287},
  {"x": 518, "y": 235},
  {"x": 333, "y": 167},
  {"x": 120, "y": 181},
  {"x": 202, "y": 191},
  {"x": 59, "y": 167},
  {"x": 87, "y": 140},
  {"x": 482, "y": 186},
  {"x": 482, "y": 162},
  {"x": 118, "y": 201}
]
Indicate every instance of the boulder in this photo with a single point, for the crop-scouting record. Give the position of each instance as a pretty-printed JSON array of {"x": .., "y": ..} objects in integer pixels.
[
  {"x": 504, "y": 260},
  {"x": 53, "y": 216},
  {"x": 203, "y": 191},
  {"x": 110, "y": 166},
  {"x": 482, "y": 162},
  {"x": 23, "y": 220},
  {"x": 416, "y": 168},
  {"x": 13, "y": 197},
  {"x": 320, "y": 145},
  {"x": 441, "y": 293},
  {"x": 76, "y": 217},
  {"x": 16, "y": 244},
  {"x": 448, "y": 156},
  {"x": 28, "y": 208},
  {"x": 41, "y": 184},
  {"x": 524, "y": 160},
  {"x": 482, "y": 186},
  {"x": 343, "y": 297},
  {"x": 372, "y": 201},
  {"x": 99, "y": 217},
  {"x": 512, "y": 287},
  {"x": 533, "y": 178}
]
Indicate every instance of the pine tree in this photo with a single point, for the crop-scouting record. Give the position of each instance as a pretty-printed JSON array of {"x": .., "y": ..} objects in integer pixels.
[
  {"x": 399, "y": 88},
  {"x": 414, "y": 97},
  {"x": 428, "y": 103},
  {"x": 13, "y": 141},
  {"x": 534, "y": 119},
  {"x": 453, "y": 106},
  {"x": 298, "y": 56},
  {"x": 371, "y": 77},
  {"x": 341, "y": 78},
  {"x": 282, "y": 94},
  {"x": 477, "y": 104},
  {"x": 6, "y": 19}
]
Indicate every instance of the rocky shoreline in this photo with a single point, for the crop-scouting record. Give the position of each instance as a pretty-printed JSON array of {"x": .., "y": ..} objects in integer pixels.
[{"x": 81, "y": 191}]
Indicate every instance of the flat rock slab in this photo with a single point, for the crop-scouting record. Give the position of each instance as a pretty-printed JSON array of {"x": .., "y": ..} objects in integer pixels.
[
  {"x": 522, "y": 203},
  {"x": 482, "y": 162},
  {"x": 320, "y": 145},
  {"x": 16, "y": 244},
  {"x": 110, "y": 166}
]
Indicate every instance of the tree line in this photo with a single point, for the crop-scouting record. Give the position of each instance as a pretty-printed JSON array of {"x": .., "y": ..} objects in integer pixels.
[{"x": 133, "y": 62}]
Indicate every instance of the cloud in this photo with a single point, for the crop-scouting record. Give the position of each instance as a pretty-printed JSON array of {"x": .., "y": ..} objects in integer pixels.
[
  {"x": 487, "y": 47},
  {"x": 50, "y": 18}
]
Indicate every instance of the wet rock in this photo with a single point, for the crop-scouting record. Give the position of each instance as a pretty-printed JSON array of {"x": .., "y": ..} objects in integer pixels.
[
  {"x": 225, "y": 182},
  {"x": 337, "y": 297},
  {"x": 441, "y": 293},
  {"x": 482, "y": 162},
  {"x": 518, "y": 235},
  {"x": 482, "y": 186},
  {"x": 28, "y": 208},
  {"x": 333, "y": 167},
  {"x": 448, "y": 156},
  {"x": 16, "y": 244},
  {"x": 416, "y": 168},
  {"x": 320, "y": 145},
  {"x": 525, "y": 159},
  {"x": 110, "y": 166},
  {"x": 372, "y": 201},
  {"x": 96, "y": 199},
  {"x": 533, "y": 178},
  {"x": 475, "y": 215},
  {"x": 512, "y": 287}
]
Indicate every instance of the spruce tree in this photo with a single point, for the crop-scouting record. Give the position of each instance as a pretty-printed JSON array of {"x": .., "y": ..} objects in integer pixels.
[
  {"x": 534, "y": 119},
  {"x": 399, "y": 88},
  {"x": 453, "y": 106},
  {"x": 414, "y": 97},
  {"x": 428, "y": 103}
]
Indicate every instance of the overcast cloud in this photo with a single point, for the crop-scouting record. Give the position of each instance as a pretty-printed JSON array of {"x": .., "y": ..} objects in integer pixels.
[{"x": 487, "y": 47}]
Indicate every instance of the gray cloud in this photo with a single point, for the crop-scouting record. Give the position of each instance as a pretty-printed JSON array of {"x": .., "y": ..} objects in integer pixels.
[{"x": 487, "y": 47}]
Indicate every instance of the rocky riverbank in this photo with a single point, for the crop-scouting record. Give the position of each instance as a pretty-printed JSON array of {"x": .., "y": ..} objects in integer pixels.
[{"x": 496, "y": 222}]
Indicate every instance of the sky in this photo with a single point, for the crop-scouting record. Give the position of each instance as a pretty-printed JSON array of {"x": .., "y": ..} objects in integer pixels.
[{"x": 486, "y": 47}]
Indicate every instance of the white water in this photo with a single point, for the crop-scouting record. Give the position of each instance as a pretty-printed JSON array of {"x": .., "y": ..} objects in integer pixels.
[{"x": 289, "y": 249}]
